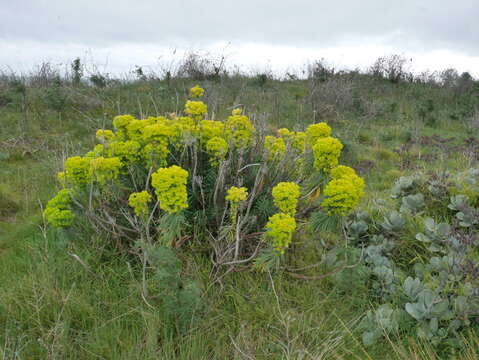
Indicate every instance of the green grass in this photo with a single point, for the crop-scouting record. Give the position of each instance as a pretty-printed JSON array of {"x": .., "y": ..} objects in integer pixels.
[{"x": 67, "y": 296}]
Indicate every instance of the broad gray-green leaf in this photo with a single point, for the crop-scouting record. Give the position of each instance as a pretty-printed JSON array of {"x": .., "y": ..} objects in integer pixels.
[{"x": 412, "y": 288}]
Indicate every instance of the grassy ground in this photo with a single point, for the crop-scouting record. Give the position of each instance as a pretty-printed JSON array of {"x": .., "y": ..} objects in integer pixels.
[{"x": 67, "y": 296}]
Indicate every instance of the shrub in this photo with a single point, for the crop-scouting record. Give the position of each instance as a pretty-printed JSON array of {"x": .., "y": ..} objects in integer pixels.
[
  {"x": 421, "y": 262},
  {"x": 166, "y": 179}
]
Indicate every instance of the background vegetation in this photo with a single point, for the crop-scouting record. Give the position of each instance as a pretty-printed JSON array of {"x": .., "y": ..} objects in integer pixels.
[{"x": 68, "y": 295}]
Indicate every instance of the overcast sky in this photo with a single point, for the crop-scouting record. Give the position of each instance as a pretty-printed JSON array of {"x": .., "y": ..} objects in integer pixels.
[{"x": 116, "y": 35}]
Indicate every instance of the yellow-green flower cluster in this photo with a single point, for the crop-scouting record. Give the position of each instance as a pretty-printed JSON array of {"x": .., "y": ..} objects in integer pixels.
[
  {"x": 326, "y": 152},
  {"x": 98, "y": 150},
  {"x": 170, "y": 188},
  {"x": 317, "y": 131},
  {"x": 196, "y": 92},
  {"x": 285, "y": 133},
  {"x": 343, "y": 192},
  {"x": 156, "y": 150},
  {"x": 77, "y": 170},
  {"x": 134, "y": 129},
  {"x": 61, "y": 178},
  {"x": 280, "y": 228},
  {"x": 295, "y": 139},
  {"x": 159, "y": 133},
  {"x": 236, "y": 194},
  {"x": 105, "y": 169},
  {"x": 128, "y": 151},
  {"x": 139, "y": 202},
  {"x": 298, "y": 141},
  {"x": 196, "y": 109},
  {"x": 209, "y": 129},
  {"x": 285, "y": 197},
  {"x": 275, "y": 147},
  {"x": 217, "y": 148},
  {"x": 105, "y": 135},
  {"x": 155, "y": 155},
  {"x": 120, "y": 123},
  {"x": 342, "y": 171},
  {"x": 239, "y": 129},
  {"x": 57, "y": 212}
]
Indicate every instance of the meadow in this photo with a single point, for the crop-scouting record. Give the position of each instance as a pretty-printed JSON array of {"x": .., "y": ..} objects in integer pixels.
[{"x": 80, "y": 294}]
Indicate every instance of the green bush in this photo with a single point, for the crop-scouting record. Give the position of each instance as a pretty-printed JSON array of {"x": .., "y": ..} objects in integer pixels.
[
  {"x": 177, "y": 179},
  {"x": 428, "y": 281}
]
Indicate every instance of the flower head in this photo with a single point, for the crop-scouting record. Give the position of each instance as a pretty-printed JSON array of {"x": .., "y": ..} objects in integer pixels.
[
  {"x": 105, "y": 169},
  {"x": 298, "y": 141},
  {"x": 239, "y": 130},
  {"x": 77, "y": 170},
  {"x": 317, "y": 131},
  {"x": 105, "y": 135},
  {"x": 209, "y": 129},
  {"x": 326, "y": 152},
  {"x": 285, "y": 196},
  {"x": 343, "y": 194},
  {"x": 57, "y": 211},
  {"x": 236, "y": 194},
  {"x": 170, "y": 188},
  {"x": 128, "y": 151},
  {"x": 196, "y": 109},
  {"x": 341, "y": 171},
  {"x": 217, "y": 148},
  {"x": 139, "y": 201},
  {"x": 120, "y": 123},
  {"x": 280, "y": 228},
  {"x": 196, "y": 92},
  {"x": 98, "y": 150},
  {"x": 275, "y": 147}
]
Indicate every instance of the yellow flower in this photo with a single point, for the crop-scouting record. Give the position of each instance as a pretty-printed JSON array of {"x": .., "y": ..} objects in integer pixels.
[
  {"x": 284, "y": 133},
  {"x": 295, "y": 139},
  {"x": 135, "y": 127},
  {"x": 105, "y": 135},
  {"x": 77, "y": 170},
  {"x": 98, "y": 150},
  {"x": 236, "y": 112},
  {"x": 343, "y": 194},
  {"x": 217, "y": 148},
  {"x": 196, "y": 109},
  {"x": 285, "y": 196},
  {"x": 120, "y": 123},
  {"x": 326, "y": 152},
  {"x": 128, "y": 151},
  {"x": 280, "y": 228},
  {"x": 236, "y": 194},
  {"x": 209, "y": 129},
  {"x": 342, "y": 171},
  {"x": 239, "y": 130},
  {"x": 155, "y": 155},
  {"x": 196, "y": 92},
  {"x": 57, "y": 211},
  {"x": 105, "y": 169},
  {"x": 61, "y": 177},
  {"x": 157, "y": 132},
  {"x": 139, "y": 201},
  {"x": 170, "y": 188},
  {"x": 275, "y": 147},
  {"x": 298, "y": 141},
  {"x": 317, "y": 131}
]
